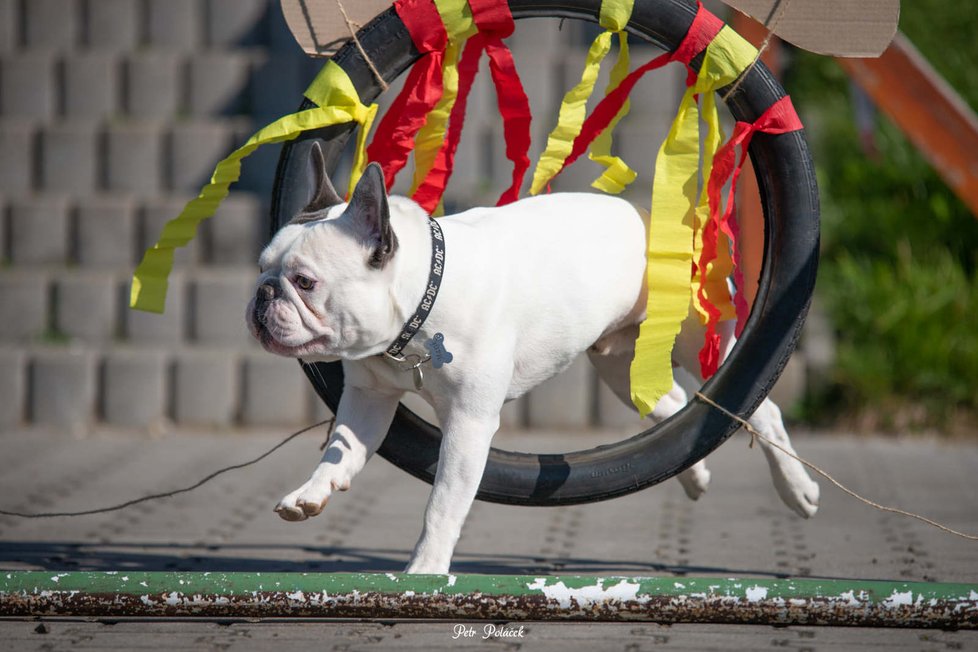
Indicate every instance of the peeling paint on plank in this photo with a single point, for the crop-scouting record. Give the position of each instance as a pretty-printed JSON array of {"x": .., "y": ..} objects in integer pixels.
[{"x": 511, "y": 597}]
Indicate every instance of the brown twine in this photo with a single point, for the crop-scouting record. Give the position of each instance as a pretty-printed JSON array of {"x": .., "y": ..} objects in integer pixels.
[
  {"x": 771, "y": 24},
  {"x": 166, "y": 494},
  {"x": 354, "y": 27},
  {"x": 756, "y": 435}
]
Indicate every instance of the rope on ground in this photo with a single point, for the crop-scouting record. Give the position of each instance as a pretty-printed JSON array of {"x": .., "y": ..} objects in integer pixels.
[
  {"x": 757, "y": 435},
  {"x": 167, "y": 494}
]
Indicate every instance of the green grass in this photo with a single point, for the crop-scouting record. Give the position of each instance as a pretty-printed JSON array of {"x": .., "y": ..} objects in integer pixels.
[
  {"x": 900, "y": 250},
  {"x": 909, "y": 343}
]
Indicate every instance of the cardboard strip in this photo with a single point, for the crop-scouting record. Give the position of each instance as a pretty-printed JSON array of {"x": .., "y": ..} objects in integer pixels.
[
  {"x": 842, "y": 28},
  {"x": 319, "y": 26}
]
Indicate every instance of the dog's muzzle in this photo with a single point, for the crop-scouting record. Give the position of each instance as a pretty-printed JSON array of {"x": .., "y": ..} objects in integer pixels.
[{"x": 266, "y": 293}]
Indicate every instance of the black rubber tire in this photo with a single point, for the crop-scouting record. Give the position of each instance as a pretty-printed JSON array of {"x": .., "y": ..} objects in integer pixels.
[{"x": 786, "y": 178}]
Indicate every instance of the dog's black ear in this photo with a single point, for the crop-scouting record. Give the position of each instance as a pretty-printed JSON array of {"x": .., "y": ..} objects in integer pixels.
[
  {"x": 372, "y": 215},
  {"x": 323, "y": 193}
]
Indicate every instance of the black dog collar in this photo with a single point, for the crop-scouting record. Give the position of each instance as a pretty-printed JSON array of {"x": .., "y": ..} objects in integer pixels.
[{"x": 413, "y": 325}]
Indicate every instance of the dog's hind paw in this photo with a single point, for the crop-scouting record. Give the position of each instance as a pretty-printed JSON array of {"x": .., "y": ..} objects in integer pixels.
[
  {"x": 801, "y": 495},
  {"x": 695, "y": 480}
]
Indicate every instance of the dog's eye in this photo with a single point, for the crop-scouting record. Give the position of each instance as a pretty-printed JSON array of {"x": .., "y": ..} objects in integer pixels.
[{"x": 304, "y": 283}]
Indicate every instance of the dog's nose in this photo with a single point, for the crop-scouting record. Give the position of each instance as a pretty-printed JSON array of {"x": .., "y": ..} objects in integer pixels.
[{"x": 267, "y": 291}]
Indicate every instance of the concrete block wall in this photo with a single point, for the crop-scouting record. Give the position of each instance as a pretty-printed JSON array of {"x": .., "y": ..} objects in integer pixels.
[{"x": 113, "y": 113}]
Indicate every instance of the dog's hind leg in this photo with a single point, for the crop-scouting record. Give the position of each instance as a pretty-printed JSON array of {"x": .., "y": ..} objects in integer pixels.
[
  {"x": 792, "y": 482},
  {"x": 696, "y": 479},
  {"x": 613, "y": 368}
]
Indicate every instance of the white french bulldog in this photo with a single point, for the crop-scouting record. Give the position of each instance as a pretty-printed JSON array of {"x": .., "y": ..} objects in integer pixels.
[{"x": 526, "y": 288}]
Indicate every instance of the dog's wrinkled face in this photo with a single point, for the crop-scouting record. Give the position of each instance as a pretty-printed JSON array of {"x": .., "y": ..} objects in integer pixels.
[{"x": 324, "y": 287}]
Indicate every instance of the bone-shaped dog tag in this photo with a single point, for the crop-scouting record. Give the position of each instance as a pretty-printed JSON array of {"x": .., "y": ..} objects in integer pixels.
[{"x": 439, "y": 354}]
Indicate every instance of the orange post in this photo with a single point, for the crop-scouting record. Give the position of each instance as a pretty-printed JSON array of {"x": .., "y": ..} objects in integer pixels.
[{"x": 932, "y": 115}]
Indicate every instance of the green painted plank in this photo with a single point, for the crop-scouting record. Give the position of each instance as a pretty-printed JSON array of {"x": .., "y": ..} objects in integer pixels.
[
  {"x": 231, "y": 583},
  {"x": 812, "y": 601}
]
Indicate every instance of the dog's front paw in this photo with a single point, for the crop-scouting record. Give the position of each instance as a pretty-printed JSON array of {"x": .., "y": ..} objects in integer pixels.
[
  {"x": 298, "y": 506},
  {"x": 800, "y": 493},
  {"x": 310, "y": 499},
  {"x": 290, "y": 512}
]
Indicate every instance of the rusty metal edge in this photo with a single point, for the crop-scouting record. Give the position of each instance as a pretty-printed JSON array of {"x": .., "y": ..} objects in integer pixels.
[{"x": 501, "y": 597}]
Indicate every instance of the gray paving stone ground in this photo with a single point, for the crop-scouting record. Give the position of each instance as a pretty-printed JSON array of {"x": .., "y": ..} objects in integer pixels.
[
  {"x": 538, "y": 637},
  {"x": 738, "y": 528}
]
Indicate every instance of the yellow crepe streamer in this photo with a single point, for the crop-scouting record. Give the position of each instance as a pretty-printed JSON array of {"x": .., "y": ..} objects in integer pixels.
[
  {"x": 431, "y": 137},
  {"x": 459, "y": 24},
  {"x": 457, "y": 16},
  {"x": 614, "y": 17},
  {"x": 337, "y": 102},
  {"x": 617, "y": 174},
  {"x": 715, "y": 286},
  {"x": 674, "y": 214}
]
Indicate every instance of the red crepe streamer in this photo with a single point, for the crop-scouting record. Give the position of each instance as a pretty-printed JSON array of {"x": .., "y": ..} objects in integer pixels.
[
  {"x": 515, "y": 109},
  {"x": 393, "y": 141},
  {"x": 432, "y": 187},
  {"x": 779, "y": 118},
  {"x": 495, "y": 22}
]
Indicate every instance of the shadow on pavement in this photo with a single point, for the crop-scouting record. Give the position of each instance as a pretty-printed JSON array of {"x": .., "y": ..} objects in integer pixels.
[{"x": 143, "y": 556}]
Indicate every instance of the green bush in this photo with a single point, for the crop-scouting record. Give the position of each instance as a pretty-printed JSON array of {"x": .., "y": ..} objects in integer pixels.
[
  {"x": 900, "y": 251},
  {"x": 908, "y": 339}
]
